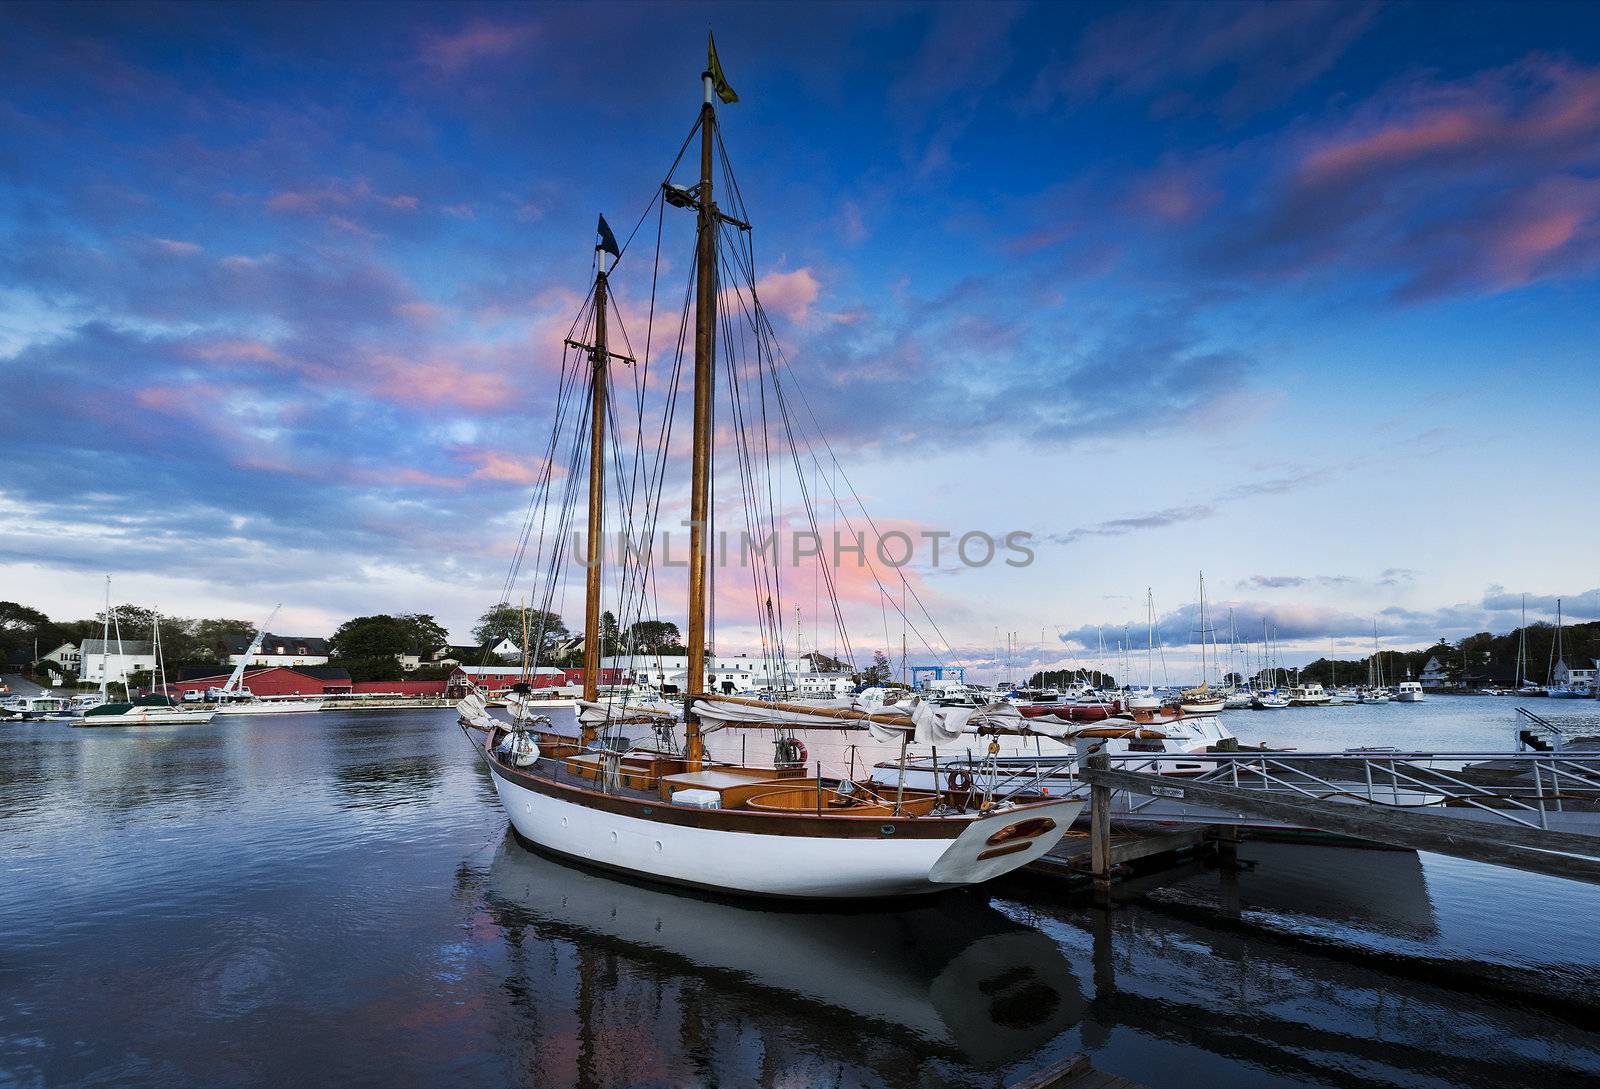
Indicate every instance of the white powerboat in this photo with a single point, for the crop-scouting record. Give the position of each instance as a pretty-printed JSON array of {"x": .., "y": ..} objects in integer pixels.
[
  {"x": 1408, "y": 692},
  {"x": 1307, "y": 695}
]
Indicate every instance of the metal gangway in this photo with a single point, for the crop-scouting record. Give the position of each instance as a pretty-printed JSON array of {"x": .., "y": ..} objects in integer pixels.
[{"x": 1532, "y": 809}]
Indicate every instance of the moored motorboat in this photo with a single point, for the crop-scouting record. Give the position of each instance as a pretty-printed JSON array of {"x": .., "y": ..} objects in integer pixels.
[
  {"x": 1307, "y": 695},
  {"x": 1408, "y": 691},
  {"x": 34, "y": 708}
]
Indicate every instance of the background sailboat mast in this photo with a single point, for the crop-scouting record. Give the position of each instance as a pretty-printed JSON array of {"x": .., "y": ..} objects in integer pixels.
[
  {"x": 597, "y": 495},
  {"x": 705, "y": 322}
]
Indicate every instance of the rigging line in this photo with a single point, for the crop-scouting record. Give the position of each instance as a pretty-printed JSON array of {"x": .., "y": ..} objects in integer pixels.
[
  {"x": 809, "y": 506},
  {"x": 640, "y": 475},
  {"x": 645, "y": 583},
  {"x": 833, "y": 458},
  {"x": 542, "y": 488},
  {"x": 764, "y": 322},
  {"x": 565, "y": 387}
]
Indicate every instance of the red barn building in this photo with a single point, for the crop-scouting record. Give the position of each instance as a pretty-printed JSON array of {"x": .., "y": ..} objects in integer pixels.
[{"x": 277, "y": 681}]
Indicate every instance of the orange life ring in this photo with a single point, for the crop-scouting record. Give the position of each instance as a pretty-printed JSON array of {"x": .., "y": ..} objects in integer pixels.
[{"x": 960, "y": 782}]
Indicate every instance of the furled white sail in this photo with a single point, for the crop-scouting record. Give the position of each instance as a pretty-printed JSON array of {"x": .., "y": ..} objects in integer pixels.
[{"x": 628, "y": 709}]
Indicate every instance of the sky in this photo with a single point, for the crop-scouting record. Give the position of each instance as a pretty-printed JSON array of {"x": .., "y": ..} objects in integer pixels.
[{"x": 1299, "y": 295}]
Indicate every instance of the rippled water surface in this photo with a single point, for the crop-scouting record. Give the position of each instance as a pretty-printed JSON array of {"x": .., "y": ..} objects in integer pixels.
[{"x": 333, "y": 899}]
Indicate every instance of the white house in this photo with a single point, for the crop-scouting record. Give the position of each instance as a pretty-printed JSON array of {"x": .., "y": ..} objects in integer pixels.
[
  {"x": 278, "y": 650},
  {"x": 730, "y": 674},
  {"x": 112, "y": 661},
  {"x": 1573, "y": 678},
  {"x": 1433, "y": 674},
  {"x": 66, "y": 656},
  {"x": 505, "y": 648}
]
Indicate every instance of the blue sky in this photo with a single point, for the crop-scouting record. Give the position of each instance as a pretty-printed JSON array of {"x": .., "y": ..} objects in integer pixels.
[{"x": 1301, "y": 295}]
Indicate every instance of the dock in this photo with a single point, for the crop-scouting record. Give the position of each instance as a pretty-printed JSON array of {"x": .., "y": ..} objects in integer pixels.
[
  {"x": 1534, "y": 811},
  {"x": 1129, "y": 842}
]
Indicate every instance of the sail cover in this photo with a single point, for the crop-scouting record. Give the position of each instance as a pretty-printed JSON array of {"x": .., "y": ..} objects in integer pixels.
[
  {"x": 629, "y": 709},
  {"x": 915, "y": 719}
]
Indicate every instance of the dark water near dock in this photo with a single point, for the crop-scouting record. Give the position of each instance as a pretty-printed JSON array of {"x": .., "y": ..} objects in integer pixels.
[{"x": 333, "y": 899}]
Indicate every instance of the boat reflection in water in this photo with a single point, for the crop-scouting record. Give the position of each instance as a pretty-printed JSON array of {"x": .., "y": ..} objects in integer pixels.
[
  {"x": 1330, "y": 966},
  {"x": 947, "y": 975}
]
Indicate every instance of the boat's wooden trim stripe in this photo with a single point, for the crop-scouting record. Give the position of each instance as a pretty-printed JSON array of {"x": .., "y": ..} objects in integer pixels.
[{"x": 833, "y": 826}]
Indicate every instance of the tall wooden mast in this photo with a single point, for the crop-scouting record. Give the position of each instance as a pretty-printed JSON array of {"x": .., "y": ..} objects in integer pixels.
[
  {"x": 705, "y": 323},
  {"x": 597, "y": 494}
]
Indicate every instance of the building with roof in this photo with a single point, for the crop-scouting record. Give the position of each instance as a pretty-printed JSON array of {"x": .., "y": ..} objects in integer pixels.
[
  {"x": 112, "y": 660},
  {"x": 498, "y": 679},
  {"x": 731, "y": 673},
  {"x": 322, "y": 680},
  {"x": 67, "y": 656},
  {"x": 1434, "y": 674},
  {"x": 277, "y": 650}
]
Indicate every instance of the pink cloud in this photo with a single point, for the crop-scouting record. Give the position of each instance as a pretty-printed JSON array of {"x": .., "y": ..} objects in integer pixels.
[
  {"x": 295, "y": 201},
  {"x": 172, "y": 400},
  {"x": 181, "y": 249},
  {"x": 402, "y": 201},
  {"x": 1558, "y": 219},
  {"x": 236, "y": 350},
  {"x": 478, "y": 41},
  {"x": 421, "y": 476},
  {"x": 789, "y": 293},
  {"x": 419, "y": 312},
  {"x": 505, "y": 468},
  {"x": 1173, "y": 197},
  {"x": 438, "y": 381},
  {"x": 1395, "y": 144}
]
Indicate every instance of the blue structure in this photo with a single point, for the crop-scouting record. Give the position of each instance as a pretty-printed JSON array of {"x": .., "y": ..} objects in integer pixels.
[{"x": 921, "y": 675}]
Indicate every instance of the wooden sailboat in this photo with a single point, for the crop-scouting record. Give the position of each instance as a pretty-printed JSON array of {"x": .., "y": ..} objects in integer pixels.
[{"x": 669, "y": 812}]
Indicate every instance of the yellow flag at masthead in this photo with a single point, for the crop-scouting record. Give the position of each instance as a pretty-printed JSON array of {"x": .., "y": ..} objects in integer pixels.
[{"x": 719, "y": 82}]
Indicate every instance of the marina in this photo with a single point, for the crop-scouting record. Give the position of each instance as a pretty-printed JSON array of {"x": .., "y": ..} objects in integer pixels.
[
  {"x": 956, "y": 546},
  {"x": 198, "y": 854}
]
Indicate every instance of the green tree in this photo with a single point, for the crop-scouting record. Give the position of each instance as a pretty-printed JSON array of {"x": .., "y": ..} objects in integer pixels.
[
  {"x": 546, "y": 630},
  {"x": 655, "y": 637},
  {"x": 503, "y": 621},
  {"x": 132, "y": 621},
  {"x": 22, "y": 626},
  {"x": 426, "y": 632},
  {"x": 610, "y": 634},
  {"x": 371, "y": 637},
  {"x": 212, "y": 635},
  {"x": 879, "y": 672}
]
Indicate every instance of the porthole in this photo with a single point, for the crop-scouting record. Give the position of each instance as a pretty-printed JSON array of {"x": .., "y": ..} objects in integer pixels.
[
  {"x": 613, "y": 837},
  {"x": 658, "y": 846},
  {"x": 886, "y": 829}
]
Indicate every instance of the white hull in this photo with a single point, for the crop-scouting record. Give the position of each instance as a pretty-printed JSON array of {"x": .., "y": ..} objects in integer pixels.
[
  {"x": 751, "y": 863},
  {"x": 270, "y": 707},
  {"x": 1409, "y": 697},
  {"x": 141, "y": 717}
]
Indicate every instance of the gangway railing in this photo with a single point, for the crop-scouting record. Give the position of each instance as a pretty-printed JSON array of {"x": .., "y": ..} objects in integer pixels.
[
  {"x": 1533, "y": 789},
  {"x": 1532, "y": 810}
]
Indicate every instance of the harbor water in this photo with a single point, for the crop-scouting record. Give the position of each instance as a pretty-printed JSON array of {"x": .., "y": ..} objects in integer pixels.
[{"x": 334, "y": 898}]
